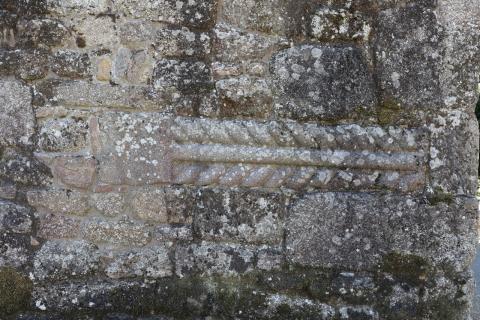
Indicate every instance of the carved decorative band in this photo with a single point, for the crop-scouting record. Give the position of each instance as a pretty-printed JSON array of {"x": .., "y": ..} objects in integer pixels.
[{"x": 259, "y": 154}]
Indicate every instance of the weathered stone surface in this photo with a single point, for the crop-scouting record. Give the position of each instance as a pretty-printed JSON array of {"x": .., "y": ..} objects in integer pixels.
[
  {"x": 40, "y": 32},
  {"x": 182, "y": 75},
  {"x": 175, "y": 232},
  {"x": 16, "y": 291},
  {"x": 76, "y": 172},
  {"x": 193, "y": 14},
  {"x": 409, "y": 60},
  {"x": 252, "y": 217},
  {"x": 233, "y": 45},
  {"x": 244, "y": 96},
  {"x": 355, "y": 231},
  {"x": 87, "y": 94},
  {"x": 15, "y": 218},
  {"x": 109, "y": 204},
  {"x": 16, "y": 116},
  {"x": 149, "y": 205},
  {"x": 58, "y": 260},
  {"x": 132, "y": 67},
  {"x": 90, "y": 6},
  {"x": 120, "y": 233},
  {"x": 300, "y": 307},
  {"x": 30, "y": 64},
  {"x": 57, "y": 226},
  {"x": 453, "y": 171},
  {"x": 182, "y": 43},
  {"x": 152, "y": 262},
  {"x": 240, "y": 159},
  {"x": 63, "y": 135},
  {"x": 59, "y": 201},
  {"x": 340, "y": 24},
  {"x": 71, "y": 64},
  {"x": 268, "y": 16},
  {"x": 213, "y": 259},
  {"x": 322, "y": 82}
]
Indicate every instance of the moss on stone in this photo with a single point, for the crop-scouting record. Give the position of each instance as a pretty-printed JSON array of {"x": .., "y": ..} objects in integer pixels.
[
  {"x": 15, "y": 291},
  {"x": 408, "y": 268},
  {"x": 389, "y": 112},
  {"x": 440, "y": 196}
]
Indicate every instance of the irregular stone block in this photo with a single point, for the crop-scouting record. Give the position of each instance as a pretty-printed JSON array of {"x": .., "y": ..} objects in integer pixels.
[
  {"x": 453, "y": 153},
  {"x": 119, "y": 233},
  {"x": 233, "y": 45},
  {"x": 355, "y": 231},
  {"x": 182, "y": 75},
  {"x": 330, "y": 24},
  {"x": 245, "y": 216},
  {"x": 104, "y": 69},
  {"x": 66, "y": 6},
  {"x": 45, "y": 31},
  {"x": 213, "y": 259},
  {"x": 407, "y": 50},
  {"x": 63, "y": 135},
  {"x": 70, "y": 64},
  {"x": 182, "y": 43},
  {"x": 173, "y": 232},
  {"x": 149, "y": 205},
  {"x": 244, "y": 96},
  {"x": 109, "y": 204},
  {"x": 132, "y": 67},
  {"x": 19, "y": 166},
  {"x": 16, "y": 250},
  {"x": 152, "y": 262},
  {"x": 270, "y": 16},
  {"x": 15, "y": 218},
  {"x": 59, "y": 201},
  {"x": 56, "y": 226},
  {"x": 16, "y": 114},
  {"x": 29, "y": 64},
  {"x": 191, "y": 14},
  {"x": 62, "y": 259},
  {"x": 77, "y": 172},
  {"x": 179, "y": 204},
  {"x": 86, "y": 94},
  {"x": 95, "y": 32},
  {"x": 322, "y": 82}
]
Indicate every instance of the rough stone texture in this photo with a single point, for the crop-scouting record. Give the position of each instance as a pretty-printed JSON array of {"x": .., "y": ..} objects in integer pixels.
[
  {"x": 240, "y": 159},
  {"x": 322, "y": 82},
  {"x": 64, "y": 260},
  {"x": 16, "y": 114}
]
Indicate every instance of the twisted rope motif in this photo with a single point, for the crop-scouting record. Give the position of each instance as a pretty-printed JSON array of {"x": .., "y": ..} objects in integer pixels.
[
  {"x": 294, "y": 135},
  {"x": 247, "y": 175}
]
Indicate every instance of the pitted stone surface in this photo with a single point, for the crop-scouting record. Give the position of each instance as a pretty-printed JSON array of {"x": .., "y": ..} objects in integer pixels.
[
  {"x": 16, "y": 114},
  {"x": 238, "y": 159},
  {"x": 322, "y": 82}
]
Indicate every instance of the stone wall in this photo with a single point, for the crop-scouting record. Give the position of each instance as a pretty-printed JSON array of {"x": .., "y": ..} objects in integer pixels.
[{"x": 238, "y": 159}]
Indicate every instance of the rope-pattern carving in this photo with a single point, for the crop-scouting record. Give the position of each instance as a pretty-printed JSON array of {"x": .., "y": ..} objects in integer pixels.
[
  {"x": 294, "y": 135},
  {"x": 247, "y": 175}
]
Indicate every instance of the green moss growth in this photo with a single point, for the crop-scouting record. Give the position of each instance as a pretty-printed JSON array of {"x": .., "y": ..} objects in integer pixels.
[
  {"x": 15, "y": 291},
  {"x": 389, "y": 112},
  {"x": 408, "y": 268},
  {"x": 440, "y": 196}
]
